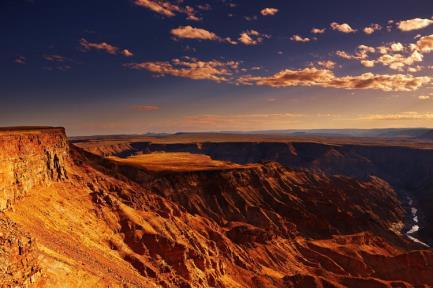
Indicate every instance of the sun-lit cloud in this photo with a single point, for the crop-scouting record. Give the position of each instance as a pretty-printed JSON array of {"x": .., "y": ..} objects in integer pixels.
[
  {"x": 242, "y": 121},
  {"x": 20, "y": 60},
  {"x": 104, "y": 46},
  {"x": 394, "y": 55},
  {"x": 168, "y": 9},
  {"x": 398, "y": 61},
  {"x": 318, "y": 30},
  {"x": 414, "y": 24},
  {"x": 189, "y": 32},
  {"x": 161, "y": 7},
  {"x": 54, "y": 58},
  {"x": 361, "y": 53},
  {"x": 204, "y": 7},
  {"x": 312, "y": 76},
  {"x": 191, "y": 68},
  {"x": 372, "y": 28},
  {"x": 425, "y": 44},
  {"x": 298, "y": 38},
  {"x": 424, "y": 97},
  {"x": 110, "y": 49},
  {"x": 269, "y": 11},
  {"x": 343, "y": 27},
  {"x": 410, "y": 115},
  {"x": 58, "y": 63},
  {"x": 397, "y": 47},
  {"x": 59, "y": 67},
  {"x": 252, "y": 37},
  {"x": 251, "y": 18},
  {"x": 415, "y": 69},
  {"x": 127, "y": 53},
  {"x": 141, "y": 107},
  {"x": 328, "y": 64}
]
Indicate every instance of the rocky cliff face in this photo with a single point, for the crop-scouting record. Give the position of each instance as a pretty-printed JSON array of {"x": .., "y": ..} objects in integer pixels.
[
  {"x": 98, "y": 223},
  {"x": 29, "y": 158},
  {"x": 409, "y": 170}
]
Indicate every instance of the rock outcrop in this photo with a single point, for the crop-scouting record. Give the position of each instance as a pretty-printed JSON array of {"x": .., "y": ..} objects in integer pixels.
[
  {"x": 79, "y": 220},
  {"x": 29, "y": 158}
]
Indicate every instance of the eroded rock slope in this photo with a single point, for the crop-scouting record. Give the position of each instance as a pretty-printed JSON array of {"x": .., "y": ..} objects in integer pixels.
[{"x": 85, "y": 221}]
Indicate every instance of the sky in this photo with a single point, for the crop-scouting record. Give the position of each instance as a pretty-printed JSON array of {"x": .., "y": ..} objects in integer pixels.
[{"x": 137, "y": 66}]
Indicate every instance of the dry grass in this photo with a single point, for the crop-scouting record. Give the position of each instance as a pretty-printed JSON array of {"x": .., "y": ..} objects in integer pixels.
[{"x": 176, "y": 161}]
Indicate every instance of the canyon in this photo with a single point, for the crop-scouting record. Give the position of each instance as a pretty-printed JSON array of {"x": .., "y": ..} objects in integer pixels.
[{"x": 200, "y": 213}]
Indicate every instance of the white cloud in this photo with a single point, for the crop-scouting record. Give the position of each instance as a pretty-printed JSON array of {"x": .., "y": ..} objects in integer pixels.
[
  {"x": 343, "y": 27},
  {"x": 326, "y": 78},
  {"x": 191, "y": 68},
  {"x": 414, "y": 24},
  {"x": 425, "y": 44},
  {"x": 372, "y": 28},
  {"x": 318, "y": 30},
  {"x": 189, "y": 32},
  {"x": 298, "y": 38},
  {"x": 252, "y": 37},
  {"x": 269, "y": 11}
]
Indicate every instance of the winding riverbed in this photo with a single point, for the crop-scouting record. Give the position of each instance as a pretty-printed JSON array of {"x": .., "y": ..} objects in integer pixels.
[{"x": 415, "y": 224}]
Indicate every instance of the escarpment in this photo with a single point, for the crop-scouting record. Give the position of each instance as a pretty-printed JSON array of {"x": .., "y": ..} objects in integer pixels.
[
  {"x": 407, "y": 168},
  {"x": 29, "y": 158},
  {"x": 80, "y": 220}
]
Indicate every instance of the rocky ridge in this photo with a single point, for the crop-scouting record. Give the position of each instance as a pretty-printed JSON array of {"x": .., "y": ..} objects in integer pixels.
[{"x": 88, "y": 221}]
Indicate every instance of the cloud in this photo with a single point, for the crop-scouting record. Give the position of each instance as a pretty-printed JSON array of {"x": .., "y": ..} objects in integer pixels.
[
  {"x": 368, "y": 63},
  {"x": 397, "y": 47},
  {"x": 425, "y": 44},
  {"x": 328, "y": 64},
  {"x": 394, "y": 55},
  {"x": 189, "y": 32},
  {"x": 298, "y": 38},
  {"x": 191, "y": 68},
  {"x": 106, "y": 47},
  {"x": 318, "y": 30},
  {"x": 250, "y": 18},
  {"x": 399, "y": 116},
  {"x": 415, "y": 69},
  {"x": 110, "y": 49},
  {"x": 54, "y": 58},
  {"x": 62, "y": 68},
  {"x": 140, "y": 107},
  {"x": 361, "y": 53},
  {"x": 58, "y": 63},
  {"x": 343, "y": 27},
  {"x": 166, "y": 8},
  {"x": 242, "y": 121},
  {"x": 204, "y": 7},
  {"x": 372, "y": 28},
  {"x": 398, "y": 61},
  {"x": 414, "y": 24},
  {"x": 326, "y": 78},
  {"x": 127, "y": 53},
  {"x": 252, "y": 37},
  {"x": 269, "y": 11},
  {"x": 21, "y": 60},
  {"x": 424, "y": 97}
]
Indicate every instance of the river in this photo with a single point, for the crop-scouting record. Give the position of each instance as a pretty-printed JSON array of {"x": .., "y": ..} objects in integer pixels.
[{"x": 415, "y": 223}]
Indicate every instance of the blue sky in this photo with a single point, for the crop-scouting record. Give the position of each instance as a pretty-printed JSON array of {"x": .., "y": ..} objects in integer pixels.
[{"x": 132, "y": 66}]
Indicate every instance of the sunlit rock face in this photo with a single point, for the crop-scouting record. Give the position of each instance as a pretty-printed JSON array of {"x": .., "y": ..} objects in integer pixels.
[
  {"x": 76, "y": 219},
  {"x": 29, "y": 158}
]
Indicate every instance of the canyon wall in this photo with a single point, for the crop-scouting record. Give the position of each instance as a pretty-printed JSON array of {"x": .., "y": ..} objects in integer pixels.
[
  {"x": 409, "y": 170},
  {"x": 29, "y": 158},
  {"x": 98, "y": 223}
]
